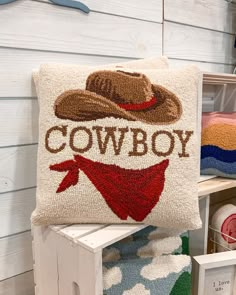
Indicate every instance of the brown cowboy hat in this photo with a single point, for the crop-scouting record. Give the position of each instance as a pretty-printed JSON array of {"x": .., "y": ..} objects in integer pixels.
[{"x": 119, "y": 94}]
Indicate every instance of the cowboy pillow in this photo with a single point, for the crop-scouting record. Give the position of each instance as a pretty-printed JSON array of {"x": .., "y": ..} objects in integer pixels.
[
  {"x": 118, "y": 146},
  {"x": 145, "y": 63}
]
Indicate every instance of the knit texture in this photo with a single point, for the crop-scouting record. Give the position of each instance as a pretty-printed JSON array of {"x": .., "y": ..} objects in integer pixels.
[
  {"x": 152, "y": 261},
  {"x": 146, "y": 63},
  {"x": 118, "y": 146},
  {"x": 218, "y": 152}
]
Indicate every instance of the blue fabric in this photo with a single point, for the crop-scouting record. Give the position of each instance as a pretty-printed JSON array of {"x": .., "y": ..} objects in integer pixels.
[
  {"x": 212, "y": 171},
  {"x": 73, "y": 4},
  {"x": 210, "y": 162},
  {"x": 130, "y": 265},
  {"x": 128, "y": 250},
  {"x": 218, "y": 153},
  {"x": 66, "y": 3},
  {"x": 6, "y": 1},
  {"x": 131, "y": 271}
]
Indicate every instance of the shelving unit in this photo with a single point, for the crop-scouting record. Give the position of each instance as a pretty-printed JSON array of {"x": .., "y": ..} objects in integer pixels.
[
  {"x": 199, "y": 238},
  {"x": 218, "y": 94},
  {"x": 221, "y": 89},
  {"x": 215, "y": 185}
]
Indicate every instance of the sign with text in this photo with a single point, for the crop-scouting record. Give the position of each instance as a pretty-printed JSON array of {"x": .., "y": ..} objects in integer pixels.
[{"x": 220, "y": 281}]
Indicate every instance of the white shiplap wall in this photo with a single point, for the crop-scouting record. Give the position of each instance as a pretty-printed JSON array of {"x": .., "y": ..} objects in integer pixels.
[
  {"x": 202, "y": 32},
  {"x": 34, "y": 32},
  {"x": 31, "y": 33}
]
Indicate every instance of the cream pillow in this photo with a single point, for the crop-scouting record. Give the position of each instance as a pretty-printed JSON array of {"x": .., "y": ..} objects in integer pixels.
[
  {"x": 146, "y": 63},
  {"x": 118, "y": 146}
]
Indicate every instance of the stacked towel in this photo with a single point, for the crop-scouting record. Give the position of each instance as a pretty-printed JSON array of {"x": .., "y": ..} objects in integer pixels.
[
  {"x": 150, "y": 262},
  {"x": 218, "y": 152}
]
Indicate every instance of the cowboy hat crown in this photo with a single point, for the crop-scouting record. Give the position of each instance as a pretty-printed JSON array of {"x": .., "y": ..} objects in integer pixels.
[
  {"x": 120, "y": 87},
  {"x": 119, "y": 94}
]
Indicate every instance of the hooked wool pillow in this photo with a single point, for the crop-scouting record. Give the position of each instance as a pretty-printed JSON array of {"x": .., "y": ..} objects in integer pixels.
[
  {"x": 118, "y": 146},
  {"x": 145, "y": 63},
  {"x": 149, "y": 260},
  {"x": 218, "y": 150}
]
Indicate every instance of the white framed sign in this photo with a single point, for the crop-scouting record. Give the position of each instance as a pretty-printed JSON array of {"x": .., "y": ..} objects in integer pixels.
[{"x": 215, "y": 274}]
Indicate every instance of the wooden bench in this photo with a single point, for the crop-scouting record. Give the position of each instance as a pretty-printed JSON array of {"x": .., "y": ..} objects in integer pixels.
[{"x": 68, "y": 259}]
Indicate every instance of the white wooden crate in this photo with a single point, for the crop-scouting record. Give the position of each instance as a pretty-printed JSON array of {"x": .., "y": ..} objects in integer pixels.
[{"x": 68, "y": 259}]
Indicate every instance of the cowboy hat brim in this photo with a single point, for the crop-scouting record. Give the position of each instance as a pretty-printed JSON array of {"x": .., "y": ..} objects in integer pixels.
[{"x": 84, "y": 105}]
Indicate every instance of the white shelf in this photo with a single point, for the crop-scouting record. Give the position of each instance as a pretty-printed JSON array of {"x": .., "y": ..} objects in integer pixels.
[{"x": 215, "y": 185}]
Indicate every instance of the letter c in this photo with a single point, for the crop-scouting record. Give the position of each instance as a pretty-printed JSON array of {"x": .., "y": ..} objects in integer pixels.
[{"x": 63, "y": 130}]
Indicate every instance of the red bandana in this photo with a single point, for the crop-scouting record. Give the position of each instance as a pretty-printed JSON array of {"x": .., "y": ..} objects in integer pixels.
[{"x": 127, "y": 192}]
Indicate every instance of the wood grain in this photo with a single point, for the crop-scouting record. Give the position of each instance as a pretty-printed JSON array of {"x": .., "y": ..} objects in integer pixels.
[
  {"x": 215, "y": 185},
  {"x": 145, "y": 10},
  {"x": 190, "y": 43},
  {"x": 203, "y": 66},
  {"x": 17, "y": 65},
  {"x": 106, "y": 236},
  {"x": 78, "y": 230},
  {"x": 45, "y": 247},
  {"x": 17, "y": 167},
  {"x": 19, "y": 285},
  {"x": 18, "y": 121},
  {"x": 38, "y": 25},
  {"x": 198, "y": 238},
  {"x": 224, "y": 197},
  {"x": 211, "y": 14},
  {"x": 15, "y": 211},
  {"x": 15, "y": 255}
]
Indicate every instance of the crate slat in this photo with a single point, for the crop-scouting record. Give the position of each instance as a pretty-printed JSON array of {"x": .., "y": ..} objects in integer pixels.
[
  {"x": 79, "y": 230},
  {"x": 108, "y": 235}
]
